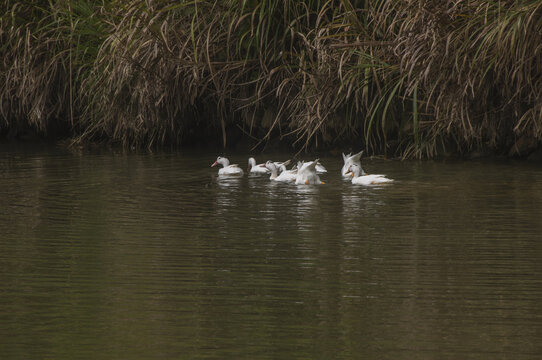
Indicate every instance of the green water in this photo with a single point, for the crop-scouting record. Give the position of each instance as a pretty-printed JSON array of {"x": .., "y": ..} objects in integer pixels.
[{"x": 140, "y": 256}]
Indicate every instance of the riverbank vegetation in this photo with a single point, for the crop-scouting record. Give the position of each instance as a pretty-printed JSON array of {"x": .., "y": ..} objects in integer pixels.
[{"x": 412, "y": 78}]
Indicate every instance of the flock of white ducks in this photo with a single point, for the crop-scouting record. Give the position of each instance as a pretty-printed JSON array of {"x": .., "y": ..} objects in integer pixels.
[{"x": 303, "y": 173}]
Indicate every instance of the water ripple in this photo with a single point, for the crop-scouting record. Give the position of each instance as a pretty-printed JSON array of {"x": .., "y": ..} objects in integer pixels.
[{"x": 152, "y": 255}]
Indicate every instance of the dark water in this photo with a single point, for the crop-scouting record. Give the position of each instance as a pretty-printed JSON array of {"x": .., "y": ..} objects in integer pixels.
[{"x": 138, "y": 256}]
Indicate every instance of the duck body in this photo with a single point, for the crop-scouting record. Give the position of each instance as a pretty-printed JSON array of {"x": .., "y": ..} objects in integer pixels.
[
  {"x": 351, "y": 160},
  {"x": 366, "y": 180},
  {"x": 261, "y": 169},
  {"x": 227, "y": 169},
  {"x": 258, "y": 169},
  {"x": 306, "y": 174},
  {"x": 287, "y": 175},
  {"x": 370, "y": 180},
  {"x": 284, "y": 176}
]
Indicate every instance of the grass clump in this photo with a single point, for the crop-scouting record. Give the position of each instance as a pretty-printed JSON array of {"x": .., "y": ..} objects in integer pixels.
[{"x": 409, "y": 78}]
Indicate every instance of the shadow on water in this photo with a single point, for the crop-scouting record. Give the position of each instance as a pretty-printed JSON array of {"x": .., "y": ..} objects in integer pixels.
[{"x": 152, "y": 255}]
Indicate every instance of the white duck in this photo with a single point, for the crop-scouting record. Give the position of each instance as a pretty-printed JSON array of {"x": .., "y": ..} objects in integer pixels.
[
  {"x": 350, "y": 160},
  {"x": 256, "y": 169},
  {"x": 306, "y": 174},
  {"x": 227, "y": 169},
  {"x": 364, "y": 179},
  {"x": 285, "y": 175}
]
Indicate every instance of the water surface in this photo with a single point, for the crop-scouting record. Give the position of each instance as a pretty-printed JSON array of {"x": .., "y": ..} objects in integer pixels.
[{"x": 136, "y": 256}]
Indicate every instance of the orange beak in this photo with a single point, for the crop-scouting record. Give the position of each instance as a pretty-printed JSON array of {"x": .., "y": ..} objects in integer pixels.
[{"x": 215, "y": 163}]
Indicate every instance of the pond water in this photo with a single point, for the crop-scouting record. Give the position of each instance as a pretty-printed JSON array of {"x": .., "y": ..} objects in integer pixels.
[{"x": 137, "y": 256}]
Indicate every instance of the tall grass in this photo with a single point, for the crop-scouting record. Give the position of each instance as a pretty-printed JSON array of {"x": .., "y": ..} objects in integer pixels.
[
  {"x": 47, "y": 49},
  {"x": 411, "y": 78},
  {"x": 475, "y": 66}
]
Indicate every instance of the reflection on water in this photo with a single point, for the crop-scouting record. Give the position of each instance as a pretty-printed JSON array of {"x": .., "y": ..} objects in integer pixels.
[{"x": 152, "y": 255}]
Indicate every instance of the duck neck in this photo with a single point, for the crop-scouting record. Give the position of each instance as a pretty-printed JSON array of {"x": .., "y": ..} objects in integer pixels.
[{"x": 251, "y": 163}]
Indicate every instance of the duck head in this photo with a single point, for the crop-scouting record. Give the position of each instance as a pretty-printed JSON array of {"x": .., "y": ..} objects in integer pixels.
[{"x": 221, "y": 160}]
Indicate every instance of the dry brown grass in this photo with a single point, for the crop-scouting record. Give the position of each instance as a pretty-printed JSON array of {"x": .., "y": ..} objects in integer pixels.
[{"x": 393, "y": 77}]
